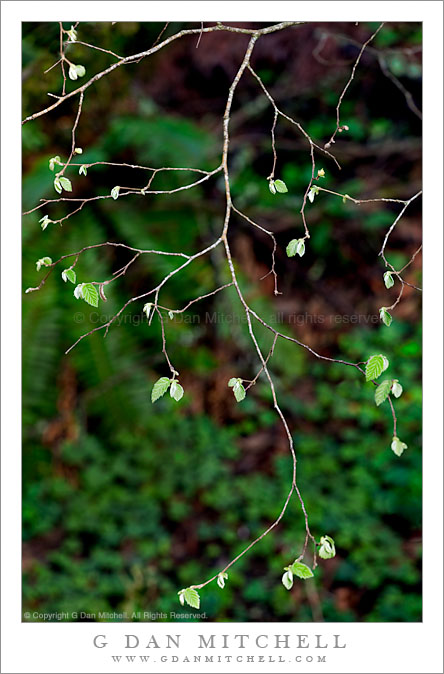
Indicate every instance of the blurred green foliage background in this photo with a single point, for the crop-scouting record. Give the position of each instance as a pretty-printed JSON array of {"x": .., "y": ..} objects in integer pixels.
[{"x": 125, "y": 503}]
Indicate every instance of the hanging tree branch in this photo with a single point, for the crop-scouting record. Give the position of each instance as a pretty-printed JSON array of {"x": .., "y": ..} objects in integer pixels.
[{"x": 93, "y": 291}]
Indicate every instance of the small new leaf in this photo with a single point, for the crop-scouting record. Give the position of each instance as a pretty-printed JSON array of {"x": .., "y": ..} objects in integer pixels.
[
  {"x": 190, "y": 596},
  {"x": 78, "y": 150},
  {"x": 327, "y": 549},
  {"x": 115, "y": 192},
  {"x": 280, "y": 186},
  {"x": 321, "y": 173},
  {"x": 83, "y": 170},
  {"x": 147, "y": 309},
  {"x": 292, "y": 247},
  {"x": 376, "y": 365},
  {"x": 388, "y": 279},
  {"x": 221, "y": 578},
  {"x": 233, "y": 381},
  {"x": 45, "y": 221},
  {"x": 398, "y": 446},
  {"x": 385, "y": 316},
  {"x": 301, "y": 570},
  {"x": 176, "y": 390},
  {"x": 160, "y": 388},
  {"x": 72, "y": 34},
  {"x": 57, "y": 185},
  {"x": 90, "y": 294},
  {"x": 69, "y": 275},
  {"x": 76, "y": 71},
  {"x": 314, "y": 190},
  {"x": 287, "y": 579},
  {"x": 397, "y": 388},
  {"x": 272, "y": 187},
  {"x": 43, "y": 262},
  {"x": 72, "y": 72},
  {"x": 383, "y": 391},
  {"x": 78, "y": 291},
  {"x": 300, "y": 249},
  {"x": 239, "y": 391},
  {"x": 53, "y": 161}
]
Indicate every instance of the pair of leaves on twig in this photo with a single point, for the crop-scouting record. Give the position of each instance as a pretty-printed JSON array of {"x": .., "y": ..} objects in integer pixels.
[
  {"x": 277, "y": 186},
  {"x": 191, "y": 596},
  {"x": 296, "y": 569},
  {"x": 385, "y": 388},
  {"x": 161, "y": 387},
  {"x": 238, "y": 388},
  {"x": 76, "y": 71},
  {"x": 326, "y": 550},
  {"x": 62, "y": 183},
  {"x": 296, "y": 246},
  {"x": 84, "y": 291}
]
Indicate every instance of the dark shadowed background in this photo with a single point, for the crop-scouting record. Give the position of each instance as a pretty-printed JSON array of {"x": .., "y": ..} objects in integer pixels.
[{"x": 125, "y": 503}]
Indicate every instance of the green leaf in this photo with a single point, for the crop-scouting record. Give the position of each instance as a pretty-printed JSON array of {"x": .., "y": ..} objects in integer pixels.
[
  {"x": 398, "y": 446},
  {"x": 300, "y": 247},
  {"x": 160, "y": 388},
  {"x": 171, "y": 314},
  {"x": 301, "y": 570},
  {"x": 388, "y": 279},
  {"x": 239, "y": 391},
  {"x": 280, "y": 186},
  {"x": 69, "y": 275},
  {"x": 221, "y": 578},
  {"x": 83, "y": 170},
  {"x": 81, "y": 70},
  {"x": 376, "y": 365},
  {"x": 115, "y": 192},
  {"x": 190, "y": 596},
  {"x": 90, "y": 294},
  {"x": 287, "y": 579},
  {"x": 233, "y": 381},
  {"x": 397, "y": 388},
  {"x": 383, "y": 391},
  {"x": 176, "y": 391},
  {"x": 327, "y": 549},
  {"x": 385, "y": 316},
  {"x": 57, "y": 185},
  {"x": 65, "y": 183},
  {"x": 78, "y": 150},
  {"x": 292, "y": 247}
]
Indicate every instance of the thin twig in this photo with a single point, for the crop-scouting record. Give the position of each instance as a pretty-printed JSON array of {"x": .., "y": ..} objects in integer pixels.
[{"x": 339, "y": 128}]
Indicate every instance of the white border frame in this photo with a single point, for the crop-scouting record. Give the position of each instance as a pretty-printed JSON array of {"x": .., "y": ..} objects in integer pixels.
[{"x": 388, "y": 647}]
